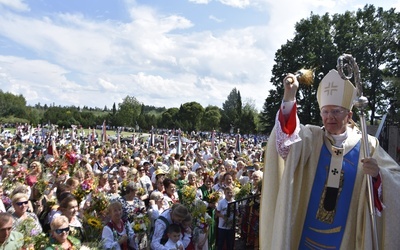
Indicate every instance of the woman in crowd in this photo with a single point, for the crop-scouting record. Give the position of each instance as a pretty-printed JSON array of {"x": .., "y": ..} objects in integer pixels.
[
  {"x": 183, "y": 177},
  {"x": 34, "y": 173},
  {"x": 117, "y": 234},
  {"x": 103, "y": 185},
  {"x": 170, "y": 194},
  {"x": 23, "y": 217},
  {"x": 59, "y": 235},
  {"x": 72, "y": 183},
  {"x": 159, "y": 186},
  {"x": 113, "y": 193},
  {"x": 69, "y": 208},
  {"x": 99, "y": 164},
  {"x": 156, "y": 206},
  {"x": 131, "y": 204},
  {"x": 145, "y": 179},
  {"x": 21, "y": 188},
  {"x": 192, "y": 180}
]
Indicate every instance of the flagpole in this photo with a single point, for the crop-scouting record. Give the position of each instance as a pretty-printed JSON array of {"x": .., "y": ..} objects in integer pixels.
[
  {"x": 179, "y": 150},
  {"x": 213, "y": 142},
  {"x": 238, "y": 146}
]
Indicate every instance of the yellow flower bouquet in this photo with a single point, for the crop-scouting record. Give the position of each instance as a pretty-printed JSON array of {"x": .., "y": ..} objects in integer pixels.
[
  {"x": 92, "y": 226},
  {"x": 141, "y": 223},
  {"x": 188, "y": 195}
]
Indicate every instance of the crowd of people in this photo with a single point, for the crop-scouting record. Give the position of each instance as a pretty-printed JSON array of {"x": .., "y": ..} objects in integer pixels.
[
  {"x": 97, "y": 193},
  {"x": 323, "y": 187}
]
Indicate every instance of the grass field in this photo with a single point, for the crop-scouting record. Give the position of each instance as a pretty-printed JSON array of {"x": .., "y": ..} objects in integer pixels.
[{"x": 110, "y": 133}]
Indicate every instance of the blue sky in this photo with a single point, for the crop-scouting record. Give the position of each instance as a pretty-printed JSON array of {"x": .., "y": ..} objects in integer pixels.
[{"x": 164, "y": 52}]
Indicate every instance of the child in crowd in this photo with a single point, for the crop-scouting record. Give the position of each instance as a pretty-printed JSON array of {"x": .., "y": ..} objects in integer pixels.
[
  {"x": 174, "y": 235},
  {"x": 225, "y": 222}
]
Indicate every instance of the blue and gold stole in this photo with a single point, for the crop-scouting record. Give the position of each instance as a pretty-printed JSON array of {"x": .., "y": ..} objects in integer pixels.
[{"x": 330, "y": 199}]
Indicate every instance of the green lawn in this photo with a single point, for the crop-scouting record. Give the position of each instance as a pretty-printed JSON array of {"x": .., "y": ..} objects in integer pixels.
[{"x": 98, "y": 131}]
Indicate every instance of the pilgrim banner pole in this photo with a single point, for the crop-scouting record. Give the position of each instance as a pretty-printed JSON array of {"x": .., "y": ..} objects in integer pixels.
[{"x": 347, "y": 68}]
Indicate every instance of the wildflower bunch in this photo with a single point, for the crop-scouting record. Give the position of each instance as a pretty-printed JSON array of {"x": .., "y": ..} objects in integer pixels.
[
  {"x": 124, "y": 184},
  {"x": 41, "y": 186},
  {"x": 141, "y": 192},
  {"x": 8, "y": 185},
  {"x": 83, "y": 190},
  {"x": 141, "y": 223},
  {"x": 202, "y": 219},
  {"x": 213, "y": 197},
  {"x": 99, "y": 203},
  {"x": 28, "y": 228},
  {"x": 61, "y": 167},
  {"x": 92, "y": 226},
  {"x": 188, "y": 195},
  {"x": 244, "y": 191}
]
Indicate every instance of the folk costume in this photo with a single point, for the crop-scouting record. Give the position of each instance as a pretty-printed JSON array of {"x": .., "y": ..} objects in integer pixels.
[{"x": 314, "y": 193}]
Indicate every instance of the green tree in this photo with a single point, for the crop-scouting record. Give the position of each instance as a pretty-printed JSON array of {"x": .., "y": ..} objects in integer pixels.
[
  {"x": 211, "y": 119},
  {"x": 114, "y": 109},
  {"x": 248, "y": 118},
  {"x": 393, "y": 88},
  {"x": 128, "y": 112},
  {"x": 12, "y": 105},
  {"x": 231, "y": 111},
  {"x": 169, "y": 118},
  {"x": 190, "y": 115}
]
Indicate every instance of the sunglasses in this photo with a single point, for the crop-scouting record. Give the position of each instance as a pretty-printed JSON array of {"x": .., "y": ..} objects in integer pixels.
[
  {"x": 22, "y": 203},
  {"x": 61, "y": 230}
]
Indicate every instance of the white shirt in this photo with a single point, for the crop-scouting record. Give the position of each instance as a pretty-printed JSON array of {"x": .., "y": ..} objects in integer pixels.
[
  {"x": 159, "y": 229},
  {"x": 173, "y": 245},
  {"x": 222, "y": 207},
  {"x": 111, "y": 243}
]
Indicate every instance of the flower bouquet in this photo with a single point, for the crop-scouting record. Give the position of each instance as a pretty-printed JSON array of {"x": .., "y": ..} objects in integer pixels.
[
  {"x": 33, "y": 238},
  {"x": 40, "y": 187},
  {"x": 124, "y": 184},
  {"x": 201, "y": 223},
  {"x": 188, "y": 195},
  {"x": 213, "y": 197},
  {"x": 83, "y": 190},
  {"x": 243, "y": 192},
  {"x": 99, "y": 203},
  {"x": 93, "y": 227},
  {"x": 61, "y": 167},
  {"x": 8, "y": 185},
  {"x": 141, "y": 226},
  {"x": 141, "y": 223},
  {"x": 141, "y": 192}
]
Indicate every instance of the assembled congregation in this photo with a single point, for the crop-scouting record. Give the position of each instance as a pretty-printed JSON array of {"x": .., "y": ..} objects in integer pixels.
[{"x": 94, "y": 192}]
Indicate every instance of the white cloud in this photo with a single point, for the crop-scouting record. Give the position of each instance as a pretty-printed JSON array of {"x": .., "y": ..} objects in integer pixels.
[
  {"x": 215, "y": 19},
  {"x": 107, "y": 86},
  {"x": 236, "y": 3},
  {"x": 17, "y": 5},
  {"x": 200, "y": 1}
]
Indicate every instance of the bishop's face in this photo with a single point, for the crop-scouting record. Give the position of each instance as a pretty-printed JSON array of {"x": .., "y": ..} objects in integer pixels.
[{"x": 335, "y": 118}]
